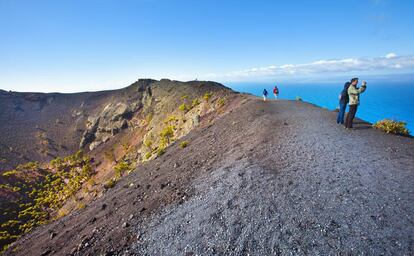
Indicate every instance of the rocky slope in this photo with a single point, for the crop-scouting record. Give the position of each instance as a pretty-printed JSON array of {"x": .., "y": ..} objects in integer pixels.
[
  {"x": 116, "y": 131},
  {"x": 267, "y": 178},
  {"x": 41, "y": 126}
]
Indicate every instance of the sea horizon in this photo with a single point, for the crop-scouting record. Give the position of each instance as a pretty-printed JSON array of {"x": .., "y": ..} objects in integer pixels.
[{"x": 388, "y": 100}]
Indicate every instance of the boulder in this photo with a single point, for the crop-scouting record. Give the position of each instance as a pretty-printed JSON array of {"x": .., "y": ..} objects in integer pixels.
[
  {"x": 95, "y": 144},
  {"x": 196, "y": 120}
]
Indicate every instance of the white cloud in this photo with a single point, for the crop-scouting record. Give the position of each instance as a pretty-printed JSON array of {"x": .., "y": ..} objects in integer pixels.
[
  {"x": 390, "y": 55},
  {"x": 390, "y": 61}
]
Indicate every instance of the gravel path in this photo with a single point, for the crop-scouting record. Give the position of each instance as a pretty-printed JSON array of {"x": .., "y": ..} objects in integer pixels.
[
  {"x": 268, "y": 178},
  {"x": 292, "y": 183}
]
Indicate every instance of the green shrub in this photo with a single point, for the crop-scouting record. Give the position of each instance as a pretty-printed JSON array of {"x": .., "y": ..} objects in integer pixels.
[
  {"x": 86, "y": 171},
  {"x": 148, "y": 143},
  {"x": 79, "y": 155},
  {"x": 16, "y": 189},
  {"x": 160, "y": 151},
  {"x": 148, "y": 155},
  {"x": 110, "y": 183},
  {"x": 121, "y": 168},
  {"x": 170, "y": 119},
  {"x": 221, "y": 102},
  {"x": 9, "y": 173},
  {"x": 184, "y": 107},
  {"x": 207, "y": 96},
  {"x": 55, "y": 163},
  {"x": 81, "y": 206},
  {"x": 10, "y": 223},
  {"x": 31, "y": 166},
  {"x": 298, "y": 98},
  {"x": 167, "y": 133},
  {"x": 62, "y": 213},
  {"x": 183, "y": 144},
  {"x": 195, "y": 103},
  {"x": 5, "y": 239},
  {"x": 391, "y": 126}
]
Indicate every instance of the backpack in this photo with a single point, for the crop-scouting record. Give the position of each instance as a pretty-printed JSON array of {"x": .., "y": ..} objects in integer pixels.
[
  {"x": 276, "y": 91},
  {"x": 344, "y": 94}
]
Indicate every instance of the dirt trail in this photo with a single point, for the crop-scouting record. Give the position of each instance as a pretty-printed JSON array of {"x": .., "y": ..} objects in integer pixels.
[{"x": 269, "y": 178}]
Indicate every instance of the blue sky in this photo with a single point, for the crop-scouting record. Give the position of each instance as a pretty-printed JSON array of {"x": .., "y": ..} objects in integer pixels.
[{"x": 69, "y": 46}]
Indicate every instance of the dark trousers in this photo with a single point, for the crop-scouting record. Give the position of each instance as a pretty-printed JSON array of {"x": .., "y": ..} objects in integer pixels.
[
  {"x": 350, "y": 117},
  {"x": 341, "y": 113}
]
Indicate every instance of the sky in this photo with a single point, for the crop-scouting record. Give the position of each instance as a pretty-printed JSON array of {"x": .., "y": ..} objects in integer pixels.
[{"x": 88, "y": 45}]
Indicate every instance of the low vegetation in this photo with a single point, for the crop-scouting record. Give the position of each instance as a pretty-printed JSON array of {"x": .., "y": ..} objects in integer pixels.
[
  {"x": 207, "y": 96},
  {"x": 148, "y": 155},
  {"x": 195, "y": 102},
  {"x": 392, "y": 126},
  {"x": 160, "y": 151},
  {"x": 221, "y": 102},
  {"x": 183, "y": 144},
  {"x": 171, "y": 119},
  {"x": 110, "y": 183},
  {"x": 80, "y": 206},
  {"x": 48, "y": 191},
  {"x": 184, "y": 108},
  {"x": 298, "y": 98},
  {"x": 41, "y": 192},
  {"x": 9, "y": 173},
  {"x": 166, "y": 134},
  {"x": 121, "y": 168}
]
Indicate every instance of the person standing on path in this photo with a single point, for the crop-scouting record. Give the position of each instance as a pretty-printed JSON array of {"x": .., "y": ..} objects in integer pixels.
[
  {"x": 354, "y": 93},
  {"x": 343, "y": 101},
  {"x": 264, "y": 94},
  {"x": 276, "y": 92}
]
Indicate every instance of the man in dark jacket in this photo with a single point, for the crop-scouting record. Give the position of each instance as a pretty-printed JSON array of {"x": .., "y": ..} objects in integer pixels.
[
  {"x": 343, "y": 101},
  {"x": 265, "y": 93}
]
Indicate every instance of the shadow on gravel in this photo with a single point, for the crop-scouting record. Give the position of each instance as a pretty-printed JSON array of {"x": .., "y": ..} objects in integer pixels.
[
  {"x": 362, "y": 122},
  {"x": 362, "y": 127}
]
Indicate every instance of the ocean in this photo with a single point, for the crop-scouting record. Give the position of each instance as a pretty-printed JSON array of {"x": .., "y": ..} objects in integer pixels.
[{"x": 379, "y": 101}]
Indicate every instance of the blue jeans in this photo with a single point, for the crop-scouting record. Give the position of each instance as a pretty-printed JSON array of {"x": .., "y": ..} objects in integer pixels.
[{"x": 341, "y": 113}]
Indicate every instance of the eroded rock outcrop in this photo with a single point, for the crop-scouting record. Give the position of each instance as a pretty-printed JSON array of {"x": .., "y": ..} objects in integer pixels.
[{"x": 113, "y": 118}]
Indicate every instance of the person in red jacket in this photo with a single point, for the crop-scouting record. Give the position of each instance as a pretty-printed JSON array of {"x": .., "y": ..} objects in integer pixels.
[{"x": 276, "y": 92}]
